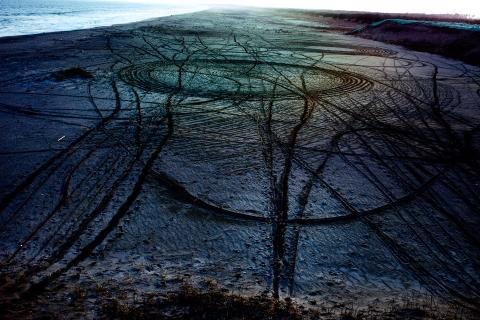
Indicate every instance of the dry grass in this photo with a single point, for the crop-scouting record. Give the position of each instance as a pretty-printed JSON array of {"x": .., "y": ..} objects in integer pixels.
[{"x": 214, "y": 303}]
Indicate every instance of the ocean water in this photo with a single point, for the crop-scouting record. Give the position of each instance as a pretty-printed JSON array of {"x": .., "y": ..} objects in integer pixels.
[{"x": 20, "y": 17}]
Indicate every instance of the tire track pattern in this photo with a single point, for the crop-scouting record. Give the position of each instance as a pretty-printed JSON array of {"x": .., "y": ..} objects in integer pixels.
[{"x": 385, "y": 145}]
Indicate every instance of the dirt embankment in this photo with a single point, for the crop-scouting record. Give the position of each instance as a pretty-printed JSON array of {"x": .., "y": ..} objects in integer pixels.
[
  {"x": 454, "y": 43},
  {"x": 371, "y": 17}
]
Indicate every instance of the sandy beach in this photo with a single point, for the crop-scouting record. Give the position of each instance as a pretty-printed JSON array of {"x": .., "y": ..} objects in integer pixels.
[{"x": 261, "y": 152}]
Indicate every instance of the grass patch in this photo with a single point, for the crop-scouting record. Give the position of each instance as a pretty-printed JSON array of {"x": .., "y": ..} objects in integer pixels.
[{"x": 214, "y": 303}]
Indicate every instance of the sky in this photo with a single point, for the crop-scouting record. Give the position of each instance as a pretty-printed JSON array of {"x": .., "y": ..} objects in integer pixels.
[{"x": 470, "y": 7}]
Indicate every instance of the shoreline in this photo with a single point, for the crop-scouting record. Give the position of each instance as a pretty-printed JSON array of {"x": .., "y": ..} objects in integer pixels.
[{"x": 121, "y": 24}]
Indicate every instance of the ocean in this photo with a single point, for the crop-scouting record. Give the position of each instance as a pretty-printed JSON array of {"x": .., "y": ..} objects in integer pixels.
[{"x": 20, "y": 17}]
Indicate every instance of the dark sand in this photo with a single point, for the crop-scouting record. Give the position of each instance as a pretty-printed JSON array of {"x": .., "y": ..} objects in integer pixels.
[{"x": 259, "y": 152}]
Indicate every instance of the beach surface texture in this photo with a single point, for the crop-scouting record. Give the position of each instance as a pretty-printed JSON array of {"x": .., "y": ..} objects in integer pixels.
[{"x": 255, "y": 153}]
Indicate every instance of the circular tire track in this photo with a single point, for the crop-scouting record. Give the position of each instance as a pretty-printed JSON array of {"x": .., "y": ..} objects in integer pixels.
[{"x": 226, "y": 79}]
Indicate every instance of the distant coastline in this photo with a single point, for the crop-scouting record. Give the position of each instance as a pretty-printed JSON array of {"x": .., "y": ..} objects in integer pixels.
[{"x": 31, "y": 17}]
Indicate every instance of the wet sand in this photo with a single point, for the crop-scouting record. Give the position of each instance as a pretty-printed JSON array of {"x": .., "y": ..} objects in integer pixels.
[{"x": 261, "y": 150}]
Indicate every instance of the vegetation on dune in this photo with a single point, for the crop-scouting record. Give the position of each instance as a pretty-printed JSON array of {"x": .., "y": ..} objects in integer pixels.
[
  {"x": 215, "y": 303},
  {"x": 449, "y": 42},
  {"x": 370, "y": 17}
]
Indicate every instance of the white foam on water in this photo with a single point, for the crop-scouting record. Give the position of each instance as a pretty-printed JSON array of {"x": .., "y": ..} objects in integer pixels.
[{"x": 21, "y": 17}]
